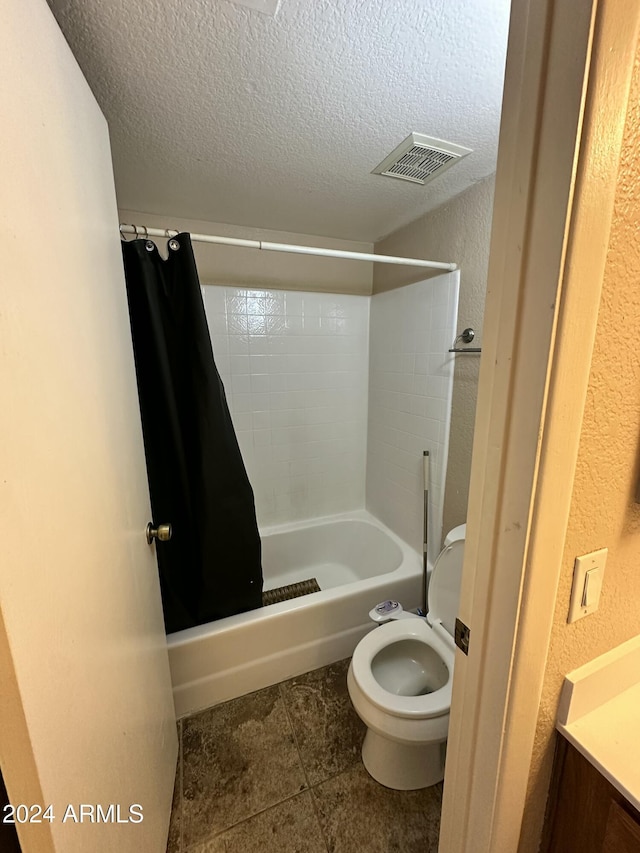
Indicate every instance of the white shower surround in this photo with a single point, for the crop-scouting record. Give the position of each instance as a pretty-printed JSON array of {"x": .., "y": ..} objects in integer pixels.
[
  {"x": 410, "y": 390},
  {"x": 295, "y": 370},
  {"x": 313, "y": 382}
]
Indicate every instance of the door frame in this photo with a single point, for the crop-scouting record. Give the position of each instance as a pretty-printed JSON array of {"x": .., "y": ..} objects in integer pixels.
[{"x": 567, "y": 82}]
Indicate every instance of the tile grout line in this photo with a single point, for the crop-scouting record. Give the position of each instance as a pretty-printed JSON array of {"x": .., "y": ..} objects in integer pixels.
[
  {"x": 180, "y": 788},
  {"x": 308, "y": 786},
  {"x": 196, "y": 844},
  {"x": 289, "y": 702},
  {"x": 295, "y": 736},
  {"x": 304, "y": 769},
  {"x": 209, "y": 838}
]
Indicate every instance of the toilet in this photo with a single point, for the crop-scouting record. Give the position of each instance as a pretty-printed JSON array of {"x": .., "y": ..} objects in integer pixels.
[{"x": 400, "y": 679}]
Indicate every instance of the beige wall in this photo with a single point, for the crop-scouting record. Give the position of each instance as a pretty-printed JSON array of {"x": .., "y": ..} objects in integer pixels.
[
  {"x": 253, "y": 268},
  {"x": 604, "y": 512},
  {"x": 459, "y": 231}
]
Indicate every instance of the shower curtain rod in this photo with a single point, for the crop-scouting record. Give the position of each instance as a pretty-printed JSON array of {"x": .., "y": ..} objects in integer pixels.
[{"x": 143, "y": 231}]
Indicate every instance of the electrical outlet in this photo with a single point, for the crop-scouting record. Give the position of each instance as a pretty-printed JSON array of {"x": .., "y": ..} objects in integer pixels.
[{"x": 588, "y": 573}]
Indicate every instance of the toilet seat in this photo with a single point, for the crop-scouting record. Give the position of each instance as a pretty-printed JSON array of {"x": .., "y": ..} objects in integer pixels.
[
  {"x": 444, "y": 592},
  {"x": 392, "y": 670},
  {"x": 425, "y": 706}
]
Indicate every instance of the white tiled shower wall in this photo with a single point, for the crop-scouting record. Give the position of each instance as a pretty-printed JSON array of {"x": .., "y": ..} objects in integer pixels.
[
  {"x": 410, "y": 387},
  {"x": 331, "y": 392},
  {"x": 295, "y": 370}
]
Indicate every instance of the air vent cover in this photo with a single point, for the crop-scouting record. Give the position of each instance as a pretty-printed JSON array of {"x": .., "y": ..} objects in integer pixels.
[{"x": 420, "y": 159}]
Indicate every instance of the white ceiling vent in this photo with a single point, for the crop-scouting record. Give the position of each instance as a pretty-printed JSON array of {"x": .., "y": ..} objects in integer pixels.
[{"x": 420, "y": 159}]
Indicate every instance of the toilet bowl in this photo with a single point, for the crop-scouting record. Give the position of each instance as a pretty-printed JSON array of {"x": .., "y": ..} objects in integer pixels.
[{"x": 400, "y": 680}]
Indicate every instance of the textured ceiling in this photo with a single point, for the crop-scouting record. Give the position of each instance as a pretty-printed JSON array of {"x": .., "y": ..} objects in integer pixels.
[{"x": 222, "y": 113}]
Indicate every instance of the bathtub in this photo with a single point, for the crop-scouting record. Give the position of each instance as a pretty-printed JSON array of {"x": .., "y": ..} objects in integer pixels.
[{"x": 357, "y": 562}]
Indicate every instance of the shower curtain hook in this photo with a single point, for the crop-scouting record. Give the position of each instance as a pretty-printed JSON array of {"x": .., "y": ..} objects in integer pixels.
[
  {"x": 123, "y": 236},
  {"x": 148, "y": 244},
  {"x": 171, "y": 238},
  {"x": 135, "y": 228}
]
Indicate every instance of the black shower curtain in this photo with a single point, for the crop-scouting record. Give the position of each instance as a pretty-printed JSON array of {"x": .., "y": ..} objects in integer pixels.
[{"x": 211, "y": 567}]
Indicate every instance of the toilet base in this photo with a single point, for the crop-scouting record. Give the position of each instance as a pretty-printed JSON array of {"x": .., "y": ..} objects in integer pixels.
[{"x": 403, "y": 767}]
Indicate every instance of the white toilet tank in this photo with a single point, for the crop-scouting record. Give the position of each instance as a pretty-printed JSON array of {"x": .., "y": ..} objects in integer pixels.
[{"x": 459, "y": 532}]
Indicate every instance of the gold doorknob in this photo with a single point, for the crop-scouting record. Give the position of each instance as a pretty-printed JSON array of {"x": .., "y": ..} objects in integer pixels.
[{"x": 162, "y": 533}]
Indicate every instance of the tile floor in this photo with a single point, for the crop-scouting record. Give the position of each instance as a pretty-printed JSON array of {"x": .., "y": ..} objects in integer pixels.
[{"x": 280, "y": 770}]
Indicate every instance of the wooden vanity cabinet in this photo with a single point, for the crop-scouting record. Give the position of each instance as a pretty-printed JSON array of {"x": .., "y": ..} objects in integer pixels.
[{"x": 585, "y": 813}]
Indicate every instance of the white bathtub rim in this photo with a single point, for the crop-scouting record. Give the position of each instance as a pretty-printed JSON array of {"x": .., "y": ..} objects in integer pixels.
[
  {"x": 320, "y": 520},
  {"x": 410, "y": 564},
  {"x": 273, "y": 611}
]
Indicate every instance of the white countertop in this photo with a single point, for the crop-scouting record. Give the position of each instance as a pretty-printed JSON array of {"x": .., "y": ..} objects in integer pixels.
[{"x": 599, "y": 713}]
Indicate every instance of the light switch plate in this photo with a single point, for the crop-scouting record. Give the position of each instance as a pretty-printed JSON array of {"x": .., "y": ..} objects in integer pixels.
[{"x": 588, "y": 573}]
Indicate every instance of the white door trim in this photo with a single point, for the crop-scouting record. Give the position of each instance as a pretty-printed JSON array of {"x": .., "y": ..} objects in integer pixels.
[{"x": 562, "y": 127}]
